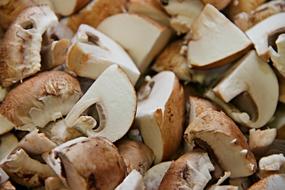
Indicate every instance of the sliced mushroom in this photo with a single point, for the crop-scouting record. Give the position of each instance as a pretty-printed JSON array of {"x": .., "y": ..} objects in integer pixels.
[
  {"x": 93, "y": 52},
  {"x": 20, "y": 48},
  {"x": 136, "y": 155},
  {"x": 276, "y": 182},
  {"x": 253, "y": 87},
  {"x": 243, "y": 182},
  {"x": 278, "y": 58},
  {"x": 41, "y": 99},
  {"x": 142, "y": 50},
  {"x": 88, "y": 163},
  {"x": 3, "y": 177},
  {"x": 54, "y": 183},
  {"x": 7, "y": 186},
  {"x": 6, "y": 125},
  {"x": 134, "y": 181},
  {"x": 272, "y": 163},
  {"x": 160, "y": 116},
  {"x": 190, "y": 171},
  {"x": 209, "y": 46},
  {"x": 226, "y": 141},
  {"x": 261, "y": 32},
  {"x": 223, "y": 187},
  {"x": 68, "y": 7},
  {"x": 8, "y": 143},
  {"x": 219, "y": 4}
]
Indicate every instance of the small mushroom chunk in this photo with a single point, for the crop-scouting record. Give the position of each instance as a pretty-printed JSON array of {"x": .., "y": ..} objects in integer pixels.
[
  {"x": 270, "y": 163},
  {"x": 3, "y": 176},
  {"x": 92, "y": 52},
  {"x": 160, "y": 115},
  {"x": 225, "y": 140},
  {"x": 136, "y": 155},
  {"x": 191, "y": 171},
  {"x": 88, "y": 163},
  {"x": 21, "y": 46},
  {"x": 134, "y": 181},
  {"x": 54, "y": 183},
  {"x": 142, "y": 50},
  {"x": 278, "y": 58},
  {"x": 46, "y": 97},
  {"x": 7, "y": 186},
  {"x": 68, "y": 7},
  {"x": 115, "y": 104},
  {"x": 8, "y": 142},
  {"x": 249, "y": 93},
  {"x": 209, "y": 46},
  {"x": 276, "y": 182},
  {"x": 223, "y": 187},
  {"x": 154, "y": 175},
  {"x": 261, "y": 32},
  {"x": 25, "y": 170},
  {"x": 219, "y": 4}
]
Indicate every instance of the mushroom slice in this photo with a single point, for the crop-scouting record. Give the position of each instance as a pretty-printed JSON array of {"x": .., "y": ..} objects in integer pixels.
[
  {"x": 6, "y": 125},
  {"x": 154, "y": 175},
  {"x": 134, "y": 181},
  {"x": 272, "y": 163},
  {"x": 209, "y": 46},
  {"x": 276, "y": 182},
  {"x": 160, "y": 116},
  {"x": 93, "y": 52},
  {"x": 8, "y": 143},
  {"x": 20, "y": 48},
  {"x": 136, "y": 155},
  {"x": 278, "y": 59},
  {"x": 219, "y": 4},
  {"x": 3, "y": 177},
  {"x": 253, "y": 86},
  {"x": 7, "y": 186},
  {"x": 226, "y": 141},
  {"x": 115, "y": 103},
  {"x": 142, "y": 50},
  {"x": 54, "y": 183},
  {"x": 261, "y": 32},
  {"x": 46, "y": 97},
  {"x": 87, "y": 163},
  {"x": 68, "y": 7},
  {"x": 223, "y": 187},
  {"x": 190, "y": 171}
]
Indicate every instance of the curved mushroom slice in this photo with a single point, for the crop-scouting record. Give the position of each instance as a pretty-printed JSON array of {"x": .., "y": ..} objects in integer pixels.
[
  {"x": 115, "y": 103},
  {"x": 276, "y": 182},
  {"x": 209, "y": 46},
  {"x": 190, "y": 171},
  {"x": 261, "y": 32},
  {"x": 154, "y": 175},
  {"x": 219, "y": 4},
  {"x": 68, "y": 7},
  {"x": 136, "y": 155},
  {"x": 160, "y": 116},
  {"x": 254, "y": 86},
  {"x": 87, "y": 163},
  {"x": 92, "y": 52},
  {"x": 8, "y": 143},
  {"x": 278, "y": 58},
  {"x": 21, "y": 46},
  {"x": 134, "y": 181},
  {"x": 142, "y": 50},
  {"x": 41, "y": 99},
  {"x": 225, "y": 139}
]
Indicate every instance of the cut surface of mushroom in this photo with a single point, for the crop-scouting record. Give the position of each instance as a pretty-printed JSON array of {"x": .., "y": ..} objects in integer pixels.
[
  {"x": 272, "y": 162},
  {"x": 68, "y": 7},
  {"x": 142, "y": 50},
  {"x": 276, "y": 182},
  {"x": 115, "y": 103},
  {"x": 278, "y": 58},
  {"x": 134, "y": 181},
  {"x": 7, "y": 186},
  {"x": 209, "y": 45},
  {"x": 20, "y": 48},
  {"x": 219, "y": 4},
  {"x": 226, "y": 141},
  {"x": 8, "y": 142},
  {"x": 253, "y": 84},
  {"x": 92, "y": 52},
  {"x": 160, "y": 116}
]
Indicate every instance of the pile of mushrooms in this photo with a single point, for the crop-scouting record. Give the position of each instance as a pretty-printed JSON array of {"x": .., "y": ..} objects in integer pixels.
[{"x": 142, "y": 94}]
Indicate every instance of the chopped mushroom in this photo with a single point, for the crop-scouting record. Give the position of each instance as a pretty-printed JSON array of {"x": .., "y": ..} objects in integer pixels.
[
  {"x": 134, "y": 181},
  {"x": 3, "y": 176},
  {"x": 219, "y": 4},
  {"x": 278, "y": 58},
  {"x": 223, "y": 187},
  {"x": 7, "y": 186},
  {"x": 272, "y": 163},
  {"x": 68, "y": 7},
  {"x": 276, "y": 182},
  {"x": 8, "y": 142}
]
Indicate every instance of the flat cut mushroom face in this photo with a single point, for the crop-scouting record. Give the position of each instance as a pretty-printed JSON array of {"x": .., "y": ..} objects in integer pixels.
[{"x": 68, "y": 7}]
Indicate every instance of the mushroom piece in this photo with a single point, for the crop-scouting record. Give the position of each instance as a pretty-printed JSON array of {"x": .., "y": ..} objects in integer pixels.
[
  {"x": 134, "y": 181},
  {"x": 7, "y": 186},
  {"x": 3, "y": 177},
  {"x": 88, "y": 163},
  {"x": 223, "y": 187},
  {"x": 24, "y": 170},
  {"x": 278, "y": 58},
  {"x": 160, "y": 116},
  {"x": 46, "y": 97},
  {"x": 6, "y": 125},
  {"x": 115, "y": 104},
  {"x": 209, "y": 46},
  {"x": 276, "y": 182},
  {"x": 92, "y": 52},
  {"x": 68, "y": 7},
  {"x": 190, "y": 171},
  {"x": 54, "y": 183},
  {"x": 8, "y": 142},
  {"x": 216, "y": 131},
  {"x": 261, "y": 32},
  {"x": 136, "y": 155},
  {"x": 253, "y": 87},
  {"x": 220, "y": 5},
  {"x": 154, "y": 175},
  {"x": 273, "y": 162},
  {"x": 20, "y": 48},
  {"x": 142, "y": 50}
]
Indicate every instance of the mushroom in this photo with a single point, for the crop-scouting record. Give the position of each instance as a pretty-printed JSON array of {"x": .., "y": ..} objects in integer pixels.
[
  {"x": 160, "y": 116},
  {"x": 260, "y": 33},
  {"x": 68, "y": 7},
  {"x": 136, "y": 155},
  {"x": 183, "y": 13},
  {"x": 219, "y": 4},
  {"x": 6, "y": 125},
  {"x": 41, "y": 99},
  {"x": 223, "y": 187},
  {"x": 134, "y": 181},
  {"x": 20, "y": 48},
  {"x": 92, "y": 52},
  {"x": 142, "y": 50},
  {"x": 154, "y": 175},
  {"x": 54, "y": 183},
  {"x": 7, "y": 186},
  {"x": 274, "y": 162},
  {"x": 3, "y": 177},
  {"x": 8, "y": 142},
  {"x": 115, "y": 104},
  {"x": 253, "y": 87},
  {"x": 215, "y": 131},
  {"x": 190, "y": 171},
  {"x": 278, "y": 58},
  {"x": 209, "y": 46},
  {"x": 276, "y": 181},
  {"x": 24, "y": 170},
  {"x": 88, "y": 163}
]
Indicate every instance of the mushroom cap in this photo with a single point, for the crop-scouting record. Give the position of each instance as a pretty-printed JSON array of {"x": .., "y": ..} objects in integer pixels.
[{"x": 275, "y": 181}]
